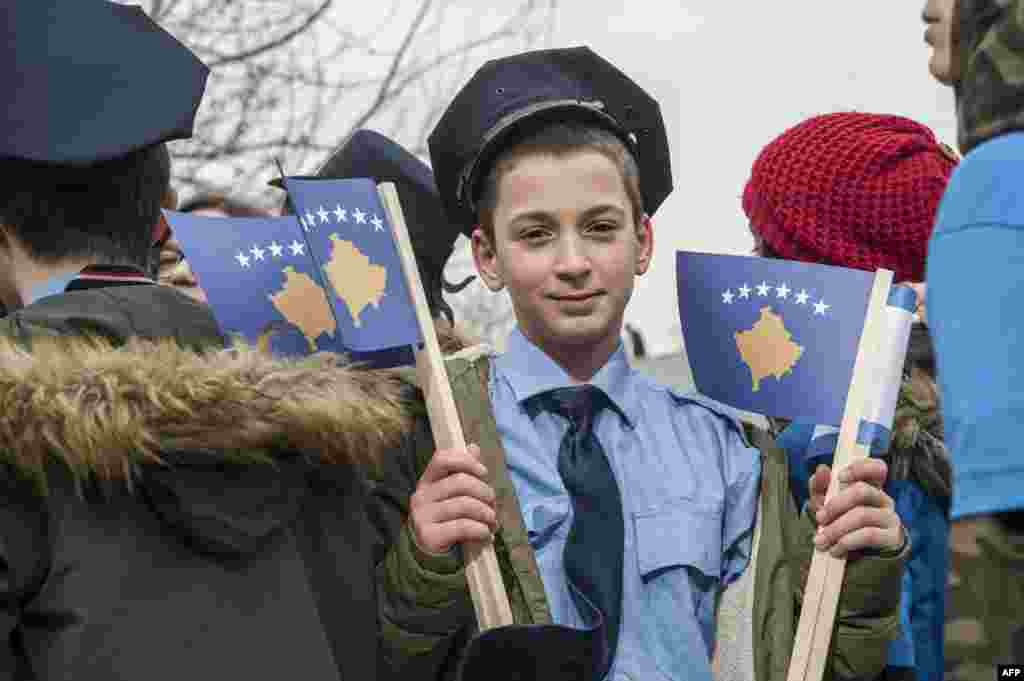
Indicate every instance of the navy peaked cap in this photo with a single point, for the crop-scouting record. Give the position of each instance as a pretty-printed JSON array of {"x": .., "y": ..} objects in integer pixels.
[
  {"x": 508, "y": 97},
  {"x": 90, "y": 80}
]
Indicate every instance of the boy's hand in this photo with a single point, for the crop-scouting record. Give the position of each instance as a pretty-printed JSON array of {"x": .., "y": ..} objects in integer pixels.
[
  {"x": 453, "y": 503},
  {"x": 861, "y": 515}
]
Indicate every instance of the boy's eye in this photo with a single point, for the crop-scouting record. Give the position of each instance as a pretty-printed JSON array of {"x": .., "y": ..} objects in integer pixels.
[
  {"x": 603, "y": 226},
  {"x": 534, "y": 234}
]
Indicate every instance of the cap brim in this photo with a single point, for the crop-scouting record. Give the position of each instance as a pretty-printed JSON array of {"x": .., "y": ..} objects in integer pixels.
[{"x": 517, "y": 124}]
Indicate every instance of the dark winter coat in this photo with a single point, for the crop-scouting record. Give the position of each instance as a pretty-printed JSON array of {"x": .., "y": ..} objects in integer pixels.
[{"x": 168, "y": 514}]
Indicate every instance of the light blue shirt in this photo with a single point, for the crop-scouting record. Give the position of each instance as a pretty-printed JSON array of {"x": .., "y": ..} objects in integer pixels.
[{"x": 689, "y": 483}]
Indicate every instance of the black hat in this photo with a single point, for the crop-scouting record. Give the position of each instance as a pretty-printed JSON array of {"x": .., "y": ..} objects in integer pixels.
[
  {"x": 369, "y": 154},
  {"x": 89, "y": 80},
  {"x": 505, "y": 95}
]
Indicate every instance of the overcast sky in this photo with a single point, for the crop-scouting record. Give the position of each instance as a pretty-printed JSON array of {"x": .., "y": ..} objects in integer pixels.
[{"x": 730, "y": 76}]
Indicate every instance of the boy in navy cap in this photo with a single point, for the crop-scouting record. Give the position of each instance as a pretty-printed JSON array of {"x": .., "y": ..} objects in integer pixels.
[
  {"x": 165, "y": 514},
  {"x": 613, "y": 501}
]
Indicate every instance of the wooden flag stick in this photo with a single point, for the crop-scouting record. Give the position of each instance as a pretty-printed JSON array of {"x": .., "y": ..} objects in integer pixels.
[
  {"x": 824, "y": 582},
  {"x": 485, "y": 584}
]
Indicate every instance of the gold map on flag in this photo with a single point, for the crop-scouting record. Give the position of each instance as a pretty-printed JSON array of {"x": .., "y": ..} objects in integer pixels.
[
  {"x": 356, "y": 281},
  {"x": 767, "y": 348},
  {"x": 302, "y": 302}
]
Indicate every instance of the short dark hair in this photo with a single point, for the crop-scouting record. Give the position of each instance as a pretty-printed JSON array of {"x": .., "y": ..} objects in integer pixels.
[
  {"x": 559, "y": 138},
  {"x": 106, "y": 210},
  {"x": 232, "y": 207}
]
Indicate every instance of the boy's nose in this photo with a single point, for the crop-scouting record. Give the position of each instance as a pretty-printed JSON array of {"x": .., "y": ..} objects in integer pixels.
[{"x": 572, "y": 260}]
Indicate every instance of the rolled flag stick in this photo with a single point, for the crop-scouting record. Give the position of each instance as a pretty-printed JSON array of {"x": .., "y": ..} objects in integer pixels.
[{"x": 868, "y": 413}]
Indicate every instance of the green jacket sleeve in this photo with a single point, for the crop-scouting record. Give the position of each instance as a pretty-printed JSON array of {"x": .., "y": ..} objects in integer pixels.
[
  {"x": 867, "y": 617},
  {"x": 868, "y": 614},
  {"x": 424, "y": 608}
]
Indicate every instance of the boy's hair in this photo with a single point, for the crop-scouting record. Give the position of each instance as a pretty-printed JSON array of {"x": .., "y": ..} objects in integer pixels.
[
  {"x": 106, "y": 210},
  {"x": 231, "y": 207},
  {"x": 558, "y": 139}
]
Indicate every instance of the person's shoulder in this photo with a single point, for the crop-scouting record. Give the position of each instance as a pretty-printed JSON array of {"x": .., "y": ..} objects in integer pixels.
[
  {"x": 981, "y": 186},
  {"x": 1008, "y": 147},
  {"x": 21, "y": 326},
  {"x": 692, "y": 406}
]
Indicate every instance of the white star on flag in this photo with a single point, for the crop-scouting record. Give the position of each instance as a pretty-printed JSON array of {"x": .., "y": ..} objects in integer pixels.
[
  {"x": 242, "y": 259},
  {"x": 257, "y": 252},
  {"x": 275, "y": 249},
  {"x": 727, "y": 297},
  {"x": 340, "y": 214},
  {"x": 297, "y": 248},
  {"x": 801, "y": 298},
  {"x": 310, "y": 221},
  {"x": 782, "y": 291},
  {"x": 745, "y": 291},
  {"x": 820, "y": 307},
  {"x": 360, "y": 217},
  {"x": 762, "y": 290},
  {"x": 323, "y": 214},
  {"x": 378, "y": 224}
]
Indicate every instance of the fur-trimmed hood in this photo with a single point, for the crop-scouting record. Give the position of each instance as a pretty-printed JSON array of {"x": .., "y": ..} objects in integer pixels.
[{"x": 104, "y": 411}]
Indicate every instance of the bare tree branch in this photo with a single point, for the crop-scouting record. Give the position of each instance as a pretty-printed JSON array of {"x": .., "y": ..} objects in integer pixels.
[
  {"x": 383, "y": 93},
  {"x": 290, "y": 79},
  {"x": 273, "y": 44}
]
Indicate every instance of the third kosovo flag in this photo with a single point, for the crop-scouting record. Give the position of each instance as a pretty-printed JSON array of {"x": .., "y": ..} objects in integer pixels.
[
  {"x": 351, "y": 239},
  {"x": 773, "y": 337}
]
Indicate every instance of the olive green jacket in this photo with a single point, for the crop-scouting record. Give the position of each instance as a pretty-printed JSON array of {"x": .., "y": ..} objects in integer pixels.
[{"x": 427, "y": 615}]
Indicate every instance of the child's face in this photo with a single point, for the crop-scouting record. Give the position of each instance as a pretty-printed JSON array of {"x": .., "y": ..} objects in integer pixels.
[{"x": 567, "y": 247}]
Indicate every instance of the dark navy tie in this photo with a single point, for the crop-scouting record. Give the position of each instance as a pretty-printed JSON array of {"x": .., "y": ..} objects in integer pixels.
[{"x": 594, "y": 550}]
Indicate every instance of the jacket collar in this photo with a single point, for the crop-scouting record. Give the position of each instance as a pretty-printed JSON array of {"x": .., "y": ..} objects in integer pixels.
[{"x": 105, "y": 276}]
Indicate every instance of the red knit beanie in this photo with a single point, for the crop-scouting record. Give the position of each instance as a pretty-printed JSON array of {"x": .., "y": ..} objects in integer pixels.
[{"x": 851, "y": 189}]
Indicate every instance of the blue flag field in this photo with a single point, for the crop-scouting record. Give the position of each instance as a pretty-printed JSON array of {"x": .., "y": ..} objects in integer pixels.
[
  {"x": 348, "y": 230},
  {"x": 327, "y": 280},
  {"x": 773, "y": 337}
]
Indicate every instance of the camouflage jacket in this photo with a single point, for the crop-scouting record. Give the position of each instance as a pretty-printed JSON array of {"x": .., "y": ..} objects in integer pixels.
[
  {"x": 990, "y": 89},
  {"x": 427, "y": 615}
]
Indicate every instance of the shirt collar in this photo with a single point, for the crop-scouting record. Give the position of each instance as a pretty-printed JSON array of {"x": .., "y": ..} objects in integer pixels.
[
  {"x": 104, "y": 276},
  {"x": 530, "y": 372}
]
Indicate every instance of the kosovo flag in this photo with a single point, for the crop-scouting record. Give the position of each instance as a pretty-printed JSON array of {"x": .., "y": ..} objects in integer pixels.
[
  {"x": 775, "y": 337},
  {"x": 260, "y": 280},
  {"x": 353, "y": 243}
]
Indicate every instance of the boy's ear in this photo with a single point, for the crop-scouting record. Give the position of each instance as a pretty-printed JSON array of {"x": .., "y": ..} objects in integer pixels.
[
  {"x": 645, "y": 245},
  {"x": 170, "y": 199},
  {"x": 485, "y": 257}
]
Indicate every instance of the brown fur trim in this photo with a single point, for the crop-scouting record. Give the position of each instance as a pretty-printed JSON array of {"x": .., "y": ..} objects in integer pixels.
[{"x": 102, "y": 410}]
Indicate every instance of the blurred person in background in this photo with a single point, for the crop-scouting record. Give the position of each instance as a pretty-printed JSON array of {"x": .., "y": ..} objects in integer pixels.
[
  {"x": 975, "y": 284},
  {"x": 172, "y": 268},
  {"x": 169, "y": 508}
]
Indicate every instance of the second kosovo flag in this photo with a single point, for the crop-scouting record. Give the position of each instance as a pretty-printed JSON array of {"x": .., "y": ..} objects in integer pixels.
[
  {"x": 773, "y": 337},
  {"x": 348, "y": 231}
]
